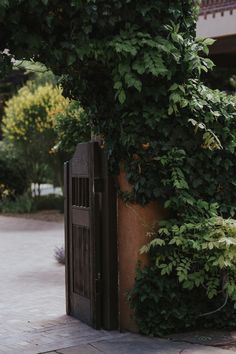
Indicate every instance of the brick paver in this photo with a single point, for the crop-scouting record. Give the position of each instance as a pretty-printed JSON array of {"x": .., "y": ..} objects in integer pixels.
[{"x": 32, "y": 301}]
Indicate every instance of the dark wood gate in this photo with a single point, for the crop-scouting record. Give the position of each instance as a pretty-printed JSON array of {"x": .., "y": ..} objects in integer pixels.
[{"x": 90, "y": 238}]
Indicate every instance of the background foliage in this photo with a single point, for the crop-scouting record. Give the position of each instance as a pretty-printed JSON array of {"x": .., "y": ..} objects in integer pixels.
[
  {"x": 13, "y": 175},
  {"x": 72, "y": 127},
  {"x": 29, "y": 124}
]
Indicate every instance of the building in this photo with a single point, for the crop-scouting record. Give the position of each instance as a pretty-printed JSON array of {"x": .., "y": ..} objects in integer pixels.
[{"x": 217, "y": 20}]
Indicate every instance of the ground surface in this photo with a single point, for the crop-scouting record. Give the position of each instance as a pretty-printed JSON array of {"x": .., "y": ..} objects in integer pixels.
[
  {"x": 43, "y": 215},
  {"x": 32, "y": 303}
]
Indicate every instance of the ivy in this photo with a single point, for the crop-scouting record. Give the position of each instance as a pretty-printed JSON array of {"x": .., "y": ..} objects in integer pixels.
[{"x": 191, "y": 259}]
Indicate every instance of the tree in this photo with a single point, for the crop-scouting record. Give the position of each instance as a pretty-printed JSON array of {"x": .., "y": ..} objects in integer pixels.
[{"x": 29, "y": 123}]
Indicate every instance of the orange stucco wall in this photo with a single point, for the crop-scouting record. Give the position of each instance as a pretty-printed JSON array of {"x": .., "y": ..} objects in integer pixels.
[{"x": 134, "y": 221}]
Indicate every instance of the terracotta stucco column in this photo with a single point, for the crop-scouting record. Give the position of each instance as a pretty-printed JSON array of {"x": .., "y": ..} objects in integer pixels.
[{"x": 134, "y": 221}]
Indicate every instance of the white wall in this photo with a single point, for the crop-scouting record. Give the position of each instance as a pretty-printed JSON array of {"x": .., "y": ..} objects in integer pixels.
[{"x": 217, "y": 26}]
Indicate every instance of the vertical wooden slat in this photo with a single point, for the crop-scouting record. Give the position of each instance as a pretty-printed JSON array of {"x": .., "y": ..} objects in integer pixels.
[
  {"x": 79, "y": 192},
  {"x": 88, "y": 265},
  {"x": 76, "y": 191},
  {"x": 84, "y": 192},
  {"x": 66, "y": 216},
  {"x": 85, "y": 179},
  {"x": 82, "y": 261},
  {"x": 80, "y": 255},
  {"x": 86, "y": 262},
  {"x": 95, "y": 227},
  {"x": 109, "y": 249}
]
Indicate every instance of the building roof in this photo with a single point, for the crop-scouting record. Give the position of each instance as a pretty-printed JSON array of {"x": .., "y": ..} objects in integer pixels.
[{"x": 213, "y": 6}]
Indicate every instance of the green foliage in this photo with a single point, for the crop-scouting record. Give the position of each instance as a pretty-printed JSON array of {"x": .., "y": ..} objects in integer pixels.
[
  {"x": 198, "y": 253},
  {"x": 196, "y": 262},
  {"x": 161, "y": 306},
  {"x": 29, "y": 124},
  {"x": 174, "y": 164},
  {"x": 5, "y": 65},
  {"x": 32, "y": 112},
  {"x": 25, "y": 203},
  {"x": 13, "y": 175},
  {"x": 72, "y": 127},
  {"x": 19, "y": 205},
  {"x": 38, "y": 73},
  {"x": 49, "y": 202}
]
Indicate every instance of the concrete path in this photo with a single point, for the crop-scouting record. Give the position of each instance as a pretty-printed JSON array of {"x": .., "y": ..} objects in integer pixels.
[{"x": 32, "y": 303}]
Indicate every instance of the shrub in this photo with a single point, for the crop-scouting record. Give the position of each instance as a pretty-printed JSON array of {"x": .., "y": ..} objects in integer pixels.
[
  {"x": 72, "y": 127},
  {"x": 49, "y": 202},
  {"x": 32, "y": 111},
  {"x": 191, "y": 280},
  {"x": 13, "y": 175},
  {"x": 26, "y": 203},
  {"x": 29, "y": 123},
  {"x": 19, "y": 205},
  {"x": 161, "y": 306}
]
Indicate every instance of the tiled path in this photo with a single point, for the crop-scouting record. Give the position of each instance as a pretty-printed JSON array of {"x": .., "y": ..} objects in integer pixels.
[{"x": 32, "y": 304}]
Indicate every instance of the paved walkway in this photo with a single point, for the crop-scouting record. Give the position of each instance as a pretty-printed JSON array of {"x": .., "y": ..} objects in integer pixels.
[
  {"x": 32, "y": 304},
  {"x": 32, "y": 301}
]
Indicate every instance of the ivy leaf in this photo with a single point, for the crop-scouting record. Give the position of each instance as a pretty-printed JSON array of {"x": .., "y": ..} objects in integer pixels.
[
  {"x": 209, "y": 41},
  {"x": 122, "y": 96}
]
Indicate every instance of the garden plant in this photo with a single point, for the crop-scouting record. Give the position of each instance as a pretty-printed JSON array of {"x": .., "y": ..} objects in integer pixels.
[
  {"x": 41, "y": 129},
  {"x": 136, "y": 69},
  {"x": 28, "y": 124}
]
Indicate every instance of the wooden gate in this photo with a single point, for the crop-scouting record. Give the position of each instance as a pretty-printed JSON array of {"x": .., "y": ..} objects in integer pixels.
[{"x": 90, "y": 238}]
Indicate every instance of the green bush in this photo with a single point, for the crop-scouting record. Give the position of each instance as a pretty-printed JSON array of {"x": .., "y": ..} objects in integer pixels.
[
  {"x": 161, "y": 306},
  {"x": 49, "y": 202},
  {"x": 27, "y": 204},
  {"x": 28, "y": 124},
  {"x": 19, "y": 205},
  {"x": 13, "y": 175},
  {"x": 191, "y": 280},
  {"x": 72, "y": 127}
]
